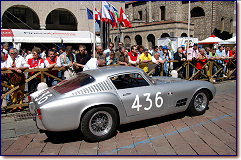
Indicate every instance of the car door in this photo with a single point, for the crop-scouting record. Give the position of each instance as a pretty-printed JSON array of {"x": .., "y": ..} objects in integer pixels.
[{"x": 138, "y": 95}]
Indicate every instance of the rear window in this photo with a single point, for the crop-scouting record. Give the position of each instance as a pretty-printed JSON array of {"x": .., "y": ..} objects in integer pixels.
[{"x": 81, "y": 79}]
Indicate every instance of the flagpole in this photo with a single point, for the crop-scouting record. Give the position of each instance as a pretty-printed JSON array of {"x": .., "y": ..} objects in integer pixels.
[
  {"x": 94, "y": 30},
  {"x": 101, "y": 28},
  {"x": 188, "y": 31}
]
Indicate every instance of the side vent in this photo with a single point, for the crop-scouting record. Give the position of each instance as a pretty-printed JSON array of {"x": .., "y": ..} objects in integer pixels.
[
  {"x": 181, "y": 102},
  {"x": 102, "y": 86}
]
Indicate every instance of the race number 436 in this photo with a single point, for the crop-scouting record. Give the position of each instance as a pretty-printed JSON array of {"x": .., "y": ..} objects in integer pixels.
[{"x": 158, "y": 101}]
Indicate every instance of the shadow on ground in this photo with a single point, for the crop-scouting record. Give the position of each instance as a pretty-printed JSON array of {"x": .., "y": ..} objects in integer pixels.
[{"x": 73, "y": 136}]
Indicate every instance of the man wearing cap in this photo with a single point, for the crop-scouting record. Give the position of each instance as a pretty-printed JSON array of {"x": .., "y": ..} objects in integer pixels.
[
  {"x": 192, "y": 53},
  {"x": 144, "y": 59}
]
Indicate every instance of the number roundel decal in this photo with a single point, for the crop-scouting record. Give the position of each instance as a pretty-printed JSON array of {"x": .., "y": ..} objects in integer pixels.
[{"x": 158, "y": 101}]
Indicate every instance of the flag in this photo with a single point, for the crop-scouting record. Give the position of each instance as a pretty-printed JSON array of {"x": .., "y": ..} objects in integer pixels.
[
  {"x": 124, "y": 19},
  {"x": 114, "y": 13},
  {"x": 106, "y": 15},
  {"x": 97, "y": 16},
  {"x": 89, "y": 13}
]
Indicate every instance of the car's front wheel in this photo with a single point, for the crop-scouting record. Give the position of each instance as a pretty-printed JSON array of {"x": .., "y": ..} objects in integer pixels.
[
  {"x": 99, "y": 124},
  {"x": 199, "y": 103}
]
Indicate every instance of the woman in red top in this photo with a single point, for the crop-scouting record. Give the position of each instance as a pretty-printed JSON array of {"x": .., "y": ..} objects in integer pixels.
[
  {"x": 202, "y": 60},
  {"x": 35, "y": 62}
]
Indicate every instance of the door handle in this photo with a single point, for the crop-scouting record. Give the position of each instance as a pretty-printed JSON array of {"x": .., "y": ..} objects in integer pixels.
[{"x": 126, "y": 94}]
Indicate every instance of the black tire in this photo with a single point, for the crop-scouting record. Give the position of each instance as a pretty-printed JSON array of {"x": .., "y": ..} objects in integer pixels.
[
  {"x": 99, "y": 124},
  {"x": 199, "y": 103}
]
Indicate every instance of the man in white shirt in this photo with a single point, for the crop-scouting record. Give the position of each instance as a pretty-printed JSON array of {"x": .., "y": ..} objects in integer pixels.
[
  {"x": 192, "y": 54},
  {"x": 157, "y": 59},
  {"x": 17, "y": 64},
  {"x": 110, "y": 49}
]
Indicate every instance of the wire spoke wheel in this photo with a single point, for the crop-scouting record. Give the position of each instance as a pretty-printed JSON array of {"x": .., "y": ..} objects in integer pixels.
[
  {"x": 100, "y": 123},
  {"x": 200, "y": 102}
]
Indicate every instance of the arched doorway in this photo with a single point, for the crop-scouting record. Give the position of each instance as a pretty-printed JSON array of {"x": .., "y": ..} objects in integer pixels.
[
  {"x": 165, "y": 35},
  {"x": 61, "y": 19},
  {"x": 138, "y": 40},
  {"x": 127, "y": 42},
  {"x": 151, "y": 40},
  {"x": 20, "y": 17},
  {"x": 184, "y": 35}
]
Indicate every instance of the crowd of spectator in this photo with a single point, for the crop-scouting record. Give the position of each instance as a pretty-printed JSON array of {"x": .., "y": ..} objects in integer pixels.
[{"x": 75, "y": 61}]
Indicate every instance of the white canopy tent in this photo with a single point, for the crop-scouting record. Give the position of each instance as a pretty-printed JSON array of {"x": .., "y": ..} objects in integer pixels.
[
  {"x": 211, "y": 40},
  {"x": 47, "y": 36}
]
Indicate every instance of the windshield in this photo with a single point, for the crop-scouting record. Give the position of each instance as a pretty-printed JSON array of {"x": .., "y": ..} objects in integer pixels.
[
  {"x": 81, "y": 79},
  {"x": 149, "y": 78}
]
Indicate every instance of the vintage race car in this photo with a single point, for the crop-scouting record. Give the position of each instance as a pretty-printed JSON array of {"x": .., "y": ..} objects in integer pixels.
[{"x": 97, "y": 101}]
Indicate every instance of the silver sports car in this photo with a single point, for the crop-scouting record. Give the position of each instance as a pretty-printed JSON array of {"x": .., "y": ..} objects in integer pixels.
[{"x": 97, "y": 101}]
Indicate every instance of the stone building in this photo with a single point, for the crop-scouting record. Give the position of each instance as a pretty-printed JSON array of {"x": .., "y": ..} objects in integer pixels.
[
  {"x": 49, "y": 15},
  {"x": 150, "y": 19},
  {"x": 157, "y": 19}
]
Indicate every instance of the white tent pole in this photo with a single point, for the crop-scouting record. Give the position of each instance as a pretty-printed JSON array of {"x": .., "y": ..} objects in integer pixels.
[
  {"x": 94, "y": 30},
  {"x": 188, "y": 31}
]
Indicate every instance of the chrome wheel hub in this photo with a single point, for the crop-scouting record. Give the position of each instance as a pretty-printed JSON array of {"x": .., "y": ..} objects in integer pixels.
[
  {"x": 100, "y": 123},
  {"x": 200, "y": 102}
]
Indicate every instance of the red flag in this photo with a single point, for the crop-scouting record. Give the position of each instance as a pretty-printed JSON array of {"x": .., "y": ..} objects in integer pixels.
[
  {"x": 97, "y": 15},
  {"x": 124, "y": 19}
]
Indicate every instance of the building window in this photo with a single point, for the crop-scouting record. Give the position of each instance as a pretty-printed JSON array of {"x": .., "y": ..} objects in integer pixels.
[
  {"x": 162, "y": 13},
  {"x": 140, "y": 15},
  {"x": 222, "y": 25},
  {"x": 197, "y": 12}
]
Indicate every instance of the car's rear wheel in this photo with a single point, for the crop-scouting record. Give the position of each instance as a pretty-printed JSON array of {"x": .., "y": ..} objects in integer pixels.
[
  {"x": 99, "y": 124},
  {"x": 199, "y": 103}
]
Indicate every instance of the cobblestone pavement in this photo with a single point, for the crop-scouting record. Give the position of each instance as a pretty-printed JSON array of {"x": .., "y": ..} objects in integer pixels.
[{"x": 213, "y": 133}]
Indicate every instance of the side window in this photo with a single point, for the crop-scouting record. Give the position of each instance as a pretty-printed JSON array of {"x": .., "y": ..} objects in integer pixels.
[{"x": 129, "y": 81}]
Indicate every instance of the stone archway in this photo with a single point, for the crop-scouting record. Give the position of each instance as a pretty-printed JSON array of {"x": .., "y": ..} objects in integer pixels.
[
  {"x": 165, "y": 35},
  {"x": 138, "y": 40},
  {"x": 151, "y": 40},
  {"x": 20, "y": 17},
  {"x": 61, "y": 19},
  {"x": 127, "y": 42},
  {"x": 184, "y": 35},
  {"x": 116, "y": 41}
]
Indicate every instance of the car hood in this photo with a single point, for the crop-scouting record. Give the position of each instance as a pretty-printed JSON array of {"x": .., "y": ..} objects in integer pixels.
[{"x": 160, "y": 79}]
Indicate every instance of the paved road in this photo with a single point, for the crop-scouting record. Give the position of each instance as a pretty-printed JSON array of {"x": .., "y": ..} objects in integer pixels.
[{"x": 213, "y": 133}]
